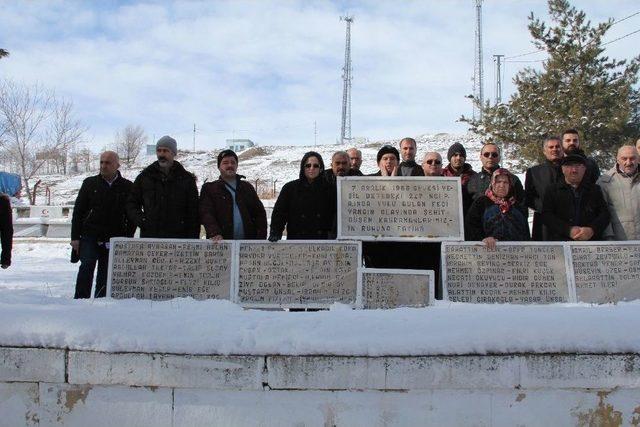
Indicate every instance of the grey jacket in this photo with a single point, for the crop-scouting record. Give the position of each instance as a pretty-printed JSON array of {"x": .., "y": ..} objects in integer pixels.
[{"x": 622, "y": 195}]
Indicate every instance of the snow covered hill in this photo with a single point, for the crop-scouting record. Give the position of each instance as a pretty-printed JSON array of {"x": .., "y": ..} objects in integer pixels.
[{"x": 270, "y": 165}]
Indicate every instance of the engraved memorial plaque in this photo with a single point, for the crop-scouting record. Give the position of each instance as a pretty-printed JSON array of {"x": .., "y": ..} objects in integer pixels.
[
  {"x": 517, "y": 273},
  {"x": 393, "y": 288},
  {"x": 311, "y": 274},
  {"x": 400, "y": 208},
  {"x": 606, "y": 272},
  {"x": 162, "y": 269}
]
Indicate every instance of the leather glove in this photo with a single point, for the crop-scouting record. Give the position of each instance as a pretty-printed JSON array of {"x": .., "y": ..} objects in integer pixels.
[{"x": 273, "y": 237}]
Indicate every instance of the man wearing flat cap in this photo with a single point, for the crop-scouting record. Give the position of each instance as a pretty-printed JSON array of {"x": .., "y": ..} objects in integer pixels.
[
  {"x": 229, "y": 207},
  {"x": 574, "y": 209},
  {"x": 164, "y": 197}
]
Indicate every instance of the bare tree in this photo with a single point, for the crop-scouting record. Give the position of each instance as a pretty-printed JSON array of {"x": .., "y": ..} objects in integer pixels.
[
  {"x": 129, "y": 142},
  {"x": 34, "y": 121}
]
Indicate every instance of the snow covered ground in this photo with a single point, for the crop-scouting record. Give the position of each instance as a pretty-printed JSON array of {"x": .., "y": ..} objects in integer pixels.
[{"x": 37, "y": 309}]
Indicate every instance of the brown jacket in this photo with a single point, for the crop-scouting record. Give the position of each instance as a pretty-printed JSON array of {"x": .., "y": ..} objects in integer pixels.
[{"x": 216, "y": 210}]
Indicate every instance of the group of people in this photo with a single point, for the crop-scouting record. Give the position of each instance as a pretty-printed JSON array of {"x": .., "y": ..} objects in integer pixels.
[{"x": 569, "y": 198}]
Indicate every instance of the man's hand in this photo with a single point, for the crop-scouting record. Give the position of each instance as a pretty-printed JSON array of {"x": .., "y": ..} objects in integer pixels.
[
  {"x": 586, "y": 233},
  {"x": 274, "y": 237},
  {"x": 217, "y": 238},
  {"x": 5, "y": 266},
  {"x": 573, "y": 232},
  {"x": 490, "y": 243},
  {"x": 75, "y": 244}
]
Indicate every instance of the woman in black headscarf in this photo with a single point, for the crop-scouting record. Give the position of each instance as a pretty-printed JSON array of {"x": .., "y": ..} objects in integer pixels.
[{"x": 306, "y": 206}]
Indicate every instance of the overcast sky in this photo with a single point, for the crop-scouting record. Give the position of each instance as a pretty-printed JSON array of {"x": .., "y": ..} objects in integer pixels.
[{"x": 267, "y": 70}]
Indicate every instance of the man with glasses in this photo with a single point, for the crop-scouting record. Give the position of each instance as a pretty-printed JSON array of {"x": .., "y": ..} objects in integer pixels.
[
  {"x": 571, "y": 145},
  {"x": 538, "y": 178},
  {"x": 479, "y": 183},
  {"x": 355, "y": 160},
  {"x": 574, "y": 209},
  {"x": 432, "y": 164}
]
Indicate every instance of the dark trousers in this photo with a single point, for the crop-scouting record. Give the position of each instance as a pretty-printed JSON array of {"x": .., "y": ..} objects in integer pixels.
[{"x": 90, "y": 254}]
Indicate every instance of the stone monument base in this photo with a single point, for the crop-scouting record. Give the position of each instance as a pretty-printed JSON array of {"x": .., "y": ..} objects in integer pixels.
[{"x": 68, "y": 387}]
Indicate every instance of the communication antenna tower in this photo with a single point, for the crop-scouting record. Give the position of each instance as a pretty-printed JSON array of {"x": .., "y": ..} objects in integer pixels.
[
  {"x": 478, "y": 74},
  {"x": 345, "y": 130}
]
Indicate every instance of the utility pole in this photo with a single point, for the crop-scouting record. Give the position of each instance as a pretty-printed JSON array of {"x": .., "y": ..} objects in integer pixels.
[
  {"x": 478, "y": 73},
  {"x": 498, "y": 60},
  {"x": 194, "y": 137},
  {"x": 345, "y": 129}
]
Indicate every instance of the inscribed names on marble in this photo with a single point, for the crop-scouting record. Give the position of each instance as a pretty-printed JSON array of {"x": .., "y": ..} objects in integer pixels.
[
  {"x": 513, "y": 273},
  {"x": 162, "y": 269},
  {"x": 393, "y": 288},
  {"x": 297, "y": 273},
  {"x": 606, "y": 272}
]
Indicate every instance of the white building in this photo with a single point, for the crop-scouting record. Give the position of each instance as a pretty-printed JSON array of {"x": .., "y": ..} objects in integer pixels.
[{"x": 239, "y": 144}]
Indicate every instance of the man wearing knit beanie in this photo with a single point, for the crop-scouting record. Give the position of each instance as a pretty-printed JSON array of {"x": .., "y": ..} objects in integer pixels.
[
  {"x": 457, "y": 155},
  {"x": 164, "y": 197}
]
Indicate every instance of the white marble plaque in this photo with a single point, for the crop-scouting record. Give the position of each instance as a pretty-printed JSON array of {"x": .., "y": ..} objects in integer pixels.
[
  {"x": 606, "y": 272},
  {"x": 400, "y": 208},
  {"x": 517, "y": 273},
  {"x": 162, "y": 269},
  {"x": 302, "y": 274},
  {"x": 393, "y": 288}
]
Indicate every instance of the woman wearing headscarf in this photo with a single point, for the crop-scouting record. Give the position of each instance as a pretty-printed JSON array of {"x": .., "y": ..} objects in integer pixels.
[
  {"x": 496, "y": 216},
  {"x": 305, "y": 206}
]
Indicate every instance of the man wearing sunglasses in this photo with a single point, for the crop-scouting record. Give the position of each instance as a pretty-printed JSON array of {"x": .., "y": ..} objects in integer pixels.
[
  {"x": 479, "y": 183},
  {"x": 432, "y": 164}
]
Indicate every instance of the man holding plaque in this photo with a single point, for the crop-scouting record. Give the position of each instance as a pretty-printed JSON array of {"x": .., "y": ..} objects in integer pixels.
[
  {"x": 621, "y": 189},
  {"x": 230, "y": 207},
  {"x": 574, "y": 209}
]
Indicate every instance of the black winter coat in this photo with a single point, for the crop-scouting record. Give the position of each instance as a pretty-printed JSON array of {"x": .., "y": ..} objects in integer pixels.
[
  {"x": 165, "y": 206},
  {"x": 537, "y": 180},
  {"x": 485, "y": 220},
  {"x": 6, "y": 230},
  {"x": 559, "y": 210},
  {"x": 307, "y": 209},
  {"x": 100, "y": 209},
  {"x": 416, "y": 169},
  {"x": 216, "y": 210}
]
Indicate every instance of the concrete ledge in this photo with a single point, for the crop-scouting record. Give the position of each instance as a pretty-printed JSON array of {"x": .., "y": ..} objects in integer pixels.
[
  {"x": 32, "y": 364},
  {"x": 165, "y": 370}
]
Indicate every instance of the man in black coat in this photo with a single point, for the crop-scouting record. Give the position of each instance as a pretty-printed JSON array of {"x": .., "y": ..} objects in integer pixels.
[
  {"x": 355, "y": 160},
  {"x": 339, "y": 167},
  {"x": 6, "y": 231},
  {"x": 571, "y": 145},
  {"x": 164, "y": 197},
  {"x": 408, "y": 166},
  {"x": 98, "y": 215},
  {"x": 539, "y": 178},
  {"x": 574, "y": 209},
  {"x": 479, "y": 183}
]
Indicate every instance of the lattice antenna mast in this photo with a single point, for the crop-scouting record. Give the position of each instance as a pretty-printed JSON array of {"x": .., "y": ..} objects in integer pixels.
[
  {"x": 478, "y": 73},
  {"x": 345, "y": 130}
]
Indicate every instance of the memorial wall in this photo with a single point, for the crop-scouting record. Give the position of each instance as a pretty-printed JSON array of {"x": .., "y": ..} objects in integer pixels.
[{"x": 393, "y": 288}]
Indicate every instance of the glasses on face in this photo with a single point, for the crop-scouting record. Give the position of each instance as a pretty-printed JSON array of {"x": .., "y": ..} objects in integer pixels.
[
  {"x": 432, "y": 161},
  {"x": 312, "y": 165},
  {"x": 493, "y": 155}
]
